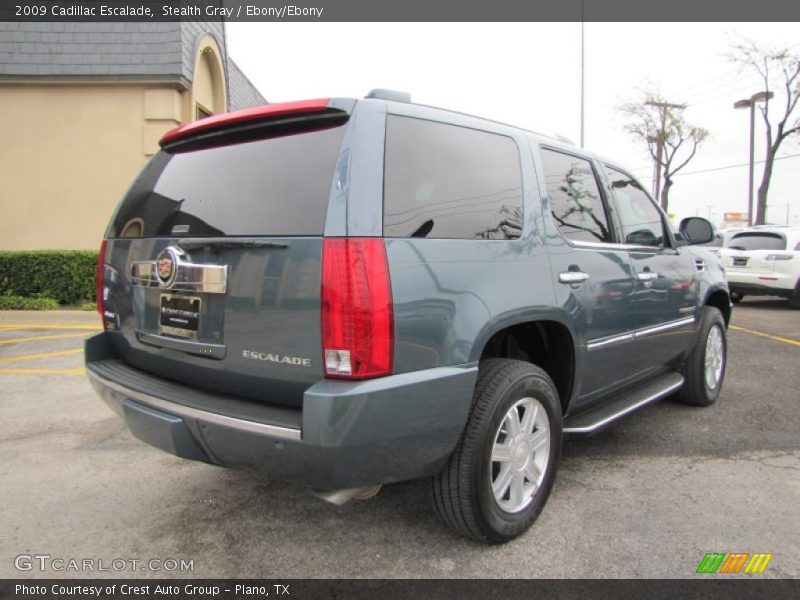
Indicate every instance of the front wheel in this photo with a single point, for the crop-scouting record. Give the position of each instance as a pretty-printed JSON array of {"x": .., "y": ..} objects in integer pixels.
[
  {"x": 704, "y": 369},
  {"x": 503, "y": 468},
  {"x": 736, "y": 297}
]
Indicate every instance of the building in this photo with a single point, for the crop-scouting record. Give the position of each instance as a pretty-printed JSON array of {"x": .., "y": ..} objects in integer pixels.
[{"x": 82, "y": 107}]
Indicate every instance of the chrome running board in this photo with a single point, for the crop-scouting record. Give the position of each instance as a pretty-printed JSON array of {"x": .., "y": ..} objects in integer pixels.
[{"x": 598, "y": 417}]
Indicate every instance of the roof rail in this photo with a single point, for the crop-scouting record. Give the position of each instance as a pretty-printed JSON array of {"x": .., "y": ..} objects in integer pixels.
[
  {"x": 563, "y": 138},
  {"x": 391, "y": 95}
]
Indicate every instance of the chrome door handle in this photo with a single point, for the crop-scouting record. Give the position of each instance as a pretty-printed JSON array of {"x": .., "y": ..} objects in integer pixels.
[
  {"x": 572, "y": 277},
  {"x": 647, "y": 276}
]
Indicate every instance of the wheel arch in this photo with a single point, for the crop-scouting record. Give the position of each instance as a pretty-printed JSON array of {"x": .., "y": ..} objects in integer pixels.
[
  {"x": 720, "y": 299},
  {"x": 545, "y": 340}
]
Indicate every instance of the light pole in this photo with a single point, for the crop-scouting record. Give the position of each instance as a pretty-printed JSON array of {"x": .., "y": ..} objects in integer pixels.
[{"x": 751, "y": 104}]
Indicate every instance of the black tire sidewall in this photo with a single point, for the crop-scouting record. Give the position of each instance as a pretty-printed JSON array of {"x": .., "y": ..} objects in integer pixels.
[
  {"x": 712, "y": 318},
  {"x": 501, "y": 524}
]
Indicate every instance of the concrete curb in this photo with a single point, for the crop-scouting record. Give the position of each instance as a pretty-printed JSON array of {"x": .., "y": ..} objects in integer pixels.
[{"x": 50, "y": 317}]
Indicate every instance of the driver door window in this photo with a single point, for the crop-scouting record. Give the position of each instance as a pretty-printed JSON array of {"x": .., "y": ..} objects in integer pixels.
[{"x": 641, "y": 221}]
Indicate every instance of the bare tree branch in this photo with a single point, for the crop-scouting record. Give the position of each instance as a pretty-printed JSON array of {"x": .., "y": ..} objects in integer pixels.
[
  {"x": 780, "y": 71},
  {"x": 659, "y": 123}
]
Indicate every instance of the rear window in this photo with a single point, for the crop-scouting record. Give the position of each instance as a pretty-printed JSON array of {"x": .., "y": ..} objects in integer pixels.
[
  {"x": 277, "y": 186},
  {"x": 445, "y": 181},
  {"x": 757, "y": 241}
]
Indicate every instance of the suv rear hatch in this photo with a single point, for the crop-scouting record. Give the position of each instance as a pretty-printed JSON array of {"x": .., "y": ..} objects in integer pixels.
[
  {"x": 754, "y": 251},
  {"x": 213, "y": 259}
]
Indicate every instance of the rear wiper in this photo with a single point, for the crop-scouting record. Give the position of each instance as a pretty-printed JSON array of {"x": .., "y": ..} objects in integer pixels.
[
  {"x": 228, "y": 243},
  {"x": 742, "y": 248}
]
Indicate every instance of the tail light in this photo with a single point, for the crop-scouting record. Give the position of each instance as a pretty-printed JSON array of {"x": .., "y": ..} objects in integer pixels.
[
  {"x": 357, "y": 336},
  {"x": 99, "y": 293}
]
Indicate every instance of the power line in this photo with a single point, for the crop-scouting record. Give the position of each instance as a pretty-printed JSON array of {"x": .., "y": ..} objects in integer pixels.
[{"x": 758, "y": 162}]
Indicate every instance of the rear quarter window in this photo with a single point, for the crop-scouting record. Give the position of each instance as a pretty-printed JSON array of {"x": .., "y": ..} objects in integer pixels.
[{"x": 446, "y": 181}]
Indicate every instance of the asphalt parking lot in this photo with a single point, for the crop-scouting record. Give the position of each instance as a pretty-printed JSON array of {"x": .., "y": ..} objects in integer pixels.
[{"x": 646, "y": 498}]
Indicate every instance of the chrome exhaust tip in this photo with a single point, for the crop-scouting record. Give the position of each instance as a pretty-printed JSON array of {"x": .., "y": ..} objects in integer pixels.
[{"x": 340, "y": 497}]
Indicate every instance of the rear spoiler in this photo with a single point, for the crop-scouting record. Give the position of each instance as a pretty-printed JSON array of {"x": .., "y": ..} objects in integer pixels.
[{"x": 220, "y": 124}]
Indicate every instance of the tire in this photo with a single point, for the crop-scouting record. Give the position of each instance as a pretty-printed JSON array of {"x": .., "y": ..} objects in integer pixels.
[
  {"x": 736, "y": 297},
  {"x": 794, "y": 299},
  {"x": 698, "y": 391},
  {"x": 463, "y": 493}
]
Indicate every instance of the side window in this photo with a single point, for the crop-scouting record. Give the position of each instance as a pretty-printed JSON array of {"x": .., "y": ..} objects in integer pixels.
[
  {"x": 575, "y": 200},
  {"x": 641, "y": 221},
  {"x": 444, "y": 181}
]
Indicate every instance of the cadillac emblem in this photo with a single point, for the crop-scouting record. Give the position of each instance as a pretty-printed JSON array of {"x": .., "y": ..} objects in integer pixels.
[{"x": 167, "y": 266}]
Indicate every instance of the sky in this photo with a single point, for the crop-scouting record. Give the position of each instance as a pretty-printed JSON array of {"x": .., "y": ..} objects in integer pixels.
[{"x": 528, "y": 74}]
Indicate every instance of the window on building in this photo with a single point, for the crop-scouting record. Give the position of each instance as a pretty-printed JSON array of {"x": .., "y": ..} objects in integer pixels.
[
  {"x": 575, "y": 200},
  {"x": 444, "y": 181},
  {"x": 202, "y": 112},
  {"x": 641, "y": 221}
]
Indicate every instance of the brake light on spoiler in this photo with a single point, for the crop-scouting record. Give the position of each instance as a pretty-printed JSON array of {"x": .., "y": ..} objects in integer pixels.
[{"x": 258, "y": 113}]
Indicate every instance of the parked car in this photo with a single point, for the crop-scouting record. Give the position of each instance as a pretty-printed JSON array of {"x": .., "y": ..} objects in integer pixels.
[
  {"x": 351, "y": 292},
  {"x": 764, "y": 261}
]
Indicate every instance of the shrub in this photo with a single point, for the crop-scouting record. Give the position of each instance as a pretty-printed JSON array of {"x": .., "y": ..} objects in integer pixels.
[
  {"x": 20, "y": 303},
  {"x": 66, "y": 276}
]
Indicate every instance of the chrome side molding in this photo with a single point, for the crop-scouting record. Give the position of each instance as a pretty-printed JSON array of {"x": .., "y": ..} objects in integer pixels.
[{"x": 637, "y": 333}]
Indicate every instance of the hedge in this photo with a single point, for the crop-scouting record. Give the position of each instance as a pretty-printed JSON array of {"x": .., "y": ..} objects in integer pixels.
[
  {"x": 66, "y": 276},
  {"x": 20, "y": 303}
]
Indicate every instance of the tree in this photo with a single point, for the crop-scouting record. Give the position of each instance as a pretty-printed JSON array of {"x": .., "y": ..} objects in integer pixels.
[
  {"x": 780, "y": 73},
  {"x": 671, "y": 141}
]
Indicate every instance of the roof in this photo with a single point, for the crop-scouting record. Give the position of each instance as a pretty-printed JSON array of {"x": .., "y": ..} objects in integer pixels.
[
  {"x": 116, "y": 51},
  {"x": 90, "y": 49}
]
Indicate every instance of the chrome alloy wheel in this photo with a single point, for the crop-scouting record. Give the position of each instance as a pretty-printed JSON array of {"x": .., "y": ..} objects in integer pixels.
[
  {"x": 519, "y": 455},
  {"x": 715, "y": 357}
]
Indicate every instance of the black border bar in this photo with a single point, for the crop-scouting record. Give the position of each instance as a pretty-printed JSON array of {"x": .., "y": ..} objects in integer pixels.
[
  {"x": 146, "y": 11},
  {"x": 704, "y": 586}
]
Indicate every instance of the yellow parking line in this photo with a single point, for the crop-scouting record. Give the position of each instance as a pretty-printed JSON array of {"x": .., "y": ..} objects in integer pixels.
[
  {"x": 12, "y": 327},
  {"x": 777, "y": 338},
  {"x": 42, "y": 371},
  {"x": 11, "y": 359},
  {"x": 35, "y": 338}
]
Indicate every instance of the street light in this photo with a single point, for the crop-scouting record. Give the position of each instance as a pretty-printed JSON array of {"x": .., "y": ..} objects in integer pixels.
[{"x": 751, "y": 104}]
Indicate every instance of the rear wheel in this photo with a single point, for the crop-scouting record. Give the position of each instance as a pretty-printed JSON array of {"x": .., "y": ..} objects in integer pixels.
[
  {"x": 794, "y": 299},
  {"x": 502, "y": 470},
  {"x": 704, "y": 369}
]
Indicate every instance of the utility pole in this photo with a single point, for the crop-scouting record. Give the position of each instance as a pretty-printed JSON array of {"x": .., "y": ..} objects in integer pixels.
[
  {"x": 660, "y": 139},
  {"x": 583, "y": 75}
]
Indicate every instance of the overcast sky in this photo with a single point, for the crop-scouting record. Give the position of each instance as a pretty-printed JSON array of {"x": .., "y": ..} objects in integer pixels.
[{"x": 528, "y": 74}]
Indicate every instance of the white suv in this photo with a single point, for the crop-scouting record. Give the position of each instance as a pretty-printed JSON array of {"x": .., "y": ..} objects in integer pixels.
[{"x": 764, "y": 260}]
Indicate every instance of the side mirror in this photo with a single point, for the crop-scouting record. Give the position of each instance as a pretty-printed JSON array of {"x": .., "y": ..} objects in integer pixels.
[{"x": 697, "y": 230}]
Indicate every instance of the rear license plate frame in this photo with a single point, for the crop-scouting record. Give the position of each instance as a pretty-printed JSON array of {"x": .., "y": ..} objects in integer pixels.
[{"x": 179, "y": 315}]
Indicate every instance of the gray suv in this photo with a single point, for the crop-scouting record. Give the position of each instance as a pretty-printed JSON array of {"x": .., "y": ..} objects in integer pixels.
[{"x": 345, "y": 293}]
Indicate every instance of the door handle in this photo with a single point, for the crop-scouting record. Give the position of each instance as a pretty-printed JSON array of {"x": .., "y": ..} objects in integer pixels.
[
  {"x": 647, "y": 276},
  {"x": 572, "y": 277}
]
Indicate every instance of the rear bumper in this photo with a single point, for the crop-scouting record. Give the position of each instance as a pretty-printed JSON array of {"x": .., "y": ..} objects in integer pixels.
[
  {"x": 348, "y": 434},
  {"x": 773, "y": 284}
]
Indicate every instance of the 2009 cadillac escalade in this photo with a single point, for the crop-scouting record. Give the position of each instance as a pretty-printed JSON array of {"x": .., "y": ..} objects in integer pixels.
[{"x": 346, "y": 293}]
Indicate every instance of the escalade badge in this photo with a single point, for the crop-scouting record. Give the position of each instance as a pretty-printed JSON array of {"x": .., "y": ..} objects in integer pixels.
[{"x": 167, "y": 266}]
